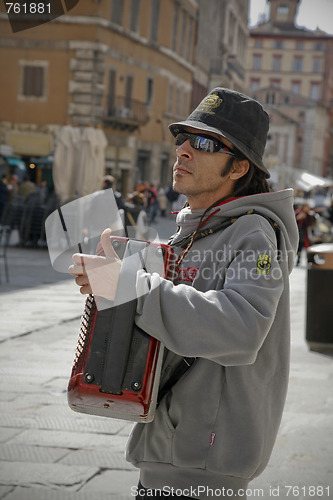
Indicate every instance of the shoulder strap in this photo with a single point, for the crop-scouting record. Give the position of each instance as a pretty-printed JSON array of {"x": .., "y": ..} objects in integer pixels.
[
  {"x": 186, "y": 363},
  {"x": 179, "y": 371},
  {"x": 223, "y": 225}
]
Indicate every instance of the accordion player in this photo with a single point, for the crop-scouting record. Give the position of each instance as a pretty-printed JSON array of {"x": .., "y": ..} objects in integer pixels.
[{"x": 117, "y": 366}]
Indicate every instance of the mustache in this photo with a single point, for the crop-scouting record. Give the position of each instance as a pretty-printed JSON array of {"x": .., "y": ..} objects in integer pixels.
[{"x": 181, "y": 162}]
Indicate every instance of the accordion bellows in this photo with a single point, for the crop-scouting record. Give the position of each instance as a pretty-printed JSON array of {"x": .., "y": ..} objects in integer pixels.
[{"x": 117, "y": 365}]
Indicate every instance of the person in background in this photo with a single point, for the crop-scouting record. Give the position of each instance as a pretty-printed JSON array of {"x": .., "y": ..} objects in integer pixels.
[
  {"x": 12, "y": 184},
  {"x": 26, "y": 187},
  {"x": 151, "y": 203},
  {"x": 109, "y": 182},
  {"x": 304, "y": 219},
  {"x": 330, "y": 213},
  {"x": 4, "y": 195},
  {"x": 162, "y": 201},
  {"x": 131, "y": 210}
]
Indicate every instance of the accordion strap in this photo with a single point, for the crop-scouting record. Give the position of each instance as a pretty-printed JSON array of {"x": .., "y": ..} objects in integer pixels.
[
  {"x": 186, "y": 363},
  {"x": 179, "y": 371}
]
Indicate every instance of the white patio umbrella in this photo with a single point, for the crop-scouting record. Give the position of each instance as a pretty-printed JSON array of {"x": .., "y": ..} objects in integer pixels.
[
  {"x": 92, "y": 146},
  {"x": 64, "y": 164}
]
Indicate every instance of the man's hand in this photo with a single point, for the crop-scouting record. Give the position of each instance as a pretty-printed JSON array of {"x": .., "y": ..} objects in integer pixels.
[{"x": 98, "y": 274}]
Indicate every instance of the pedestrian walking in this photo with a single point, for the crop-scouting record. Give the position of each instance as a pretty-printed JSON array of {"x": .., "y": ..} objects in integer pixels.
[
  {"x": 304, "y": 219},
  {"x": 162, "y": 201},
  {"x": 224, "y": 319}
]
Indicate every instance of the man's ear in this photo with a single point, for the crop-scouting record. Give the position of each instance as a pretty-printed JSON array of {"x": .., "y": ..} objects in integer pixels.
[{"x": 239, "y": 169}]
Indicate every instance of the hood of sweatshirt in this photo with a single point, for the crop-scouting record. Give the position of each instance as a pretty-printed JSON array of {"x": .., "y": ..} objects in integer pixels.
[{"x": 277, "y": 206}]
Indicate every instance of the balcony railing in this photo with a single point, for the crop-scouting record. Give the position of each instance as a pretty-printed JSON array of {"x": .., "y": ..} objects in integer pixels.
[{"x": 126, "y": 113}]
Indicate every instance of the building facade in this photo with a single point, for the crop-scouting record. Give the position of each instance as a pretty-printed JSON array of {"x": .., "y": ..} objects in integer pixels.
[
  {"x": 125, "y": 66},
  {"x": 221, "y": 46},
  {"x": 293, "y": 65}
]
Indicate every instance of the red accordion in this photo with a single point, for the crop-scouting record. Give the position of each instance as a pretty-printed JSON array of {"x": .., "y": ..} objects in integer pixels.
[{"x": 117, "y": 365}]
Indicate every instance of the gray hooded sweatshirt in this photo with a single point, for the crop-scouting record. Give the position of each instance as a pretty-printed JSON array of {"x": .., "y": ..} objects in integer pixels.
[{"x": 229, "y": 308}]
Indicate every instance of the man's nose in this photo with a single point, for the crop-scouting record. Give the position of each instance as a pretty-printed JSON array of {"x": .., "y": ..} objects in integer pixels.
[{"x": 185, "y": 149}]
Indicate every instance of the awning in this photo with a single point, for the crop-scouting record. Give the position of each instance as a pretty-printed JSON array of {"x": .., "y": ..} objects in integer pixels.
[{"x": 307, "y": 181}]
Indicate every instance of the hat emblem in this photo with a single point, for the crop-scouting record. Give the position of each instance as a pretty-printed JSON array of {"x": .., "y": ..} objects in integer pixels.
[{"x": 210, "y": 103}]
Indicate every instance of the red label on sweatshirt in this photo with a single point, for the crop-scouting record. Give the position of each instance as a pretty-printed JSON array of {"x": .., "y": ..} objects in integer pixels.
[{"x": 187, "y": 273}]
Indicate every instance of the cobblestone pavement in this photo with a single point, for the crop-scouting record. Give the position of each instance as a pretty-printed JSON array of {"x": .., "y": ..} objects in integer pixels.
[{"x": 49, "y": 452}]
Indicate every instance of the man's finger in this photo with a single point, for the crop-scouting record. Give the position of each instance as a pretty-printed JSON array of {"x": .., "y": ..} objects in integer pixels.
[
  {"x": 108, "y": 249},
  {"x": 79, "y": 258},
  {"x": 76, "y": 270},
  {"x": 85, "y": 290},
  {"x": 82, "y": 280}
]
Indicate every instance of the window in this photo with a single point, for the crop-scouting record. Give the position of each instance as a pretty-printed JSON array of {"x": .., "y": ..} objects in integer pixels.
[
  {"x": 256, "y": 62},
  {"x": 299, "y": 45},
  {"x": 278, "y": 44},
  {"x": 315, "y": 91},
  {"x": 149, "y": 91},
  {"x": 170, "y": 98},
  {"x": 117, "y": 10},
  {"x": 189, "y": 40},
  {"x": 258, "y": 44},
  {"x": 316, "y": 65},
  {"x": 254, "y": 84},
  {"x": 33, "y": 79},
  {"x": 283, "y": 9},
  {"x": 231, "y": 30},
  {"x": 318, "y": 46},
  {"x": 182, "y": 36},
  {"x": 155, "y": 13},
  {"x": 297, "y": 64},
  {"x": 275, "y": 83},
  {"x": 134, "y": 15},
  {"x": 178, "y": 100},
  {"x": 185, "y": 100},
  {"x": 277, "y": 63},
  {"x": 111, "y": 92},
  {"x": 166, "y": 171},
  {"x": 270, "y": 98},
  {"x": 175, "y": 27},
  {"x": 128, "y": 91},
  {"x": 296, "y": 87},
  {"x": 143, "y": 165}
]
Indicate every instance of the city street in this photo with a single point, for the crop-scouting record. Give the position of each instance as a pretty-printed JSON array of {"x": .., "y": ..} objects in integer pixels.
[{"x": 48, "y": 452}]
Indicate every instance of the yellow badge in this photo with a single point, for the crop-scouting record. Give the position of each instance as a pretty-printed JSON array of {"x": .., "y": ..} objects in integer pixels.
[
  {"x": 264, "y": 264},
  {"x": 210, "y": 103}
]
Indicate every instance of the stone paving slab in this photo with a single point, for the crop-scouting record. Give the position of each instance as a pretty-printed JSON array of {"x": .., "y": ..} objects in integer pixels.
[
  {"x": 39, "y": 454},
  {"x": 23, "y": 312},
  {"x": 66, "y": 439},
  {"x": 5, "y": 490},
  {"x": 102, "y": 458},
  {"x": 47, "y": 494},
  {"x": 53, "y": 422},
  {"x": 49, "y": 475},
  {"x": 113, "y": 481},
  {"x": 8, "y": 433}
]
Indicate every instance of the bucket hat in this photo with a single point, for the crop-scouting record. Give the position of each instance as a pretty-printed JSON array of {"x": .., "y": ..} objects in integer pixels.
[{"x": 234, "y": 116}]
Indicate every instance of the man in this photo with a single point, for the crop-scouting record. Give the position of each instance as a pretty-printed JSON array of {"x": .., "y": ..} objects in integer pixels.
[
  {"x": 132, "y": 213},
  {"x": 304, "y": 220},
  {"x": 227, "y": 310}
]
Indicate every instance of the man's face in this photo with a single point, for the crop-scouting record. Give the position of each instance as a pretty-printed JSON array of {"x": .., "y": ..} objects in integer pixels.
[{"x": 198, "y": 174}]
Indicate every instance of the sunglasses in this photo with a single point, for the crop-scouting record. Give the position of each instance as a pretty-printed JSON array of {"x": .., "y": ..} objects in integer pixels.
[{"x": 204, "y": 143}]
